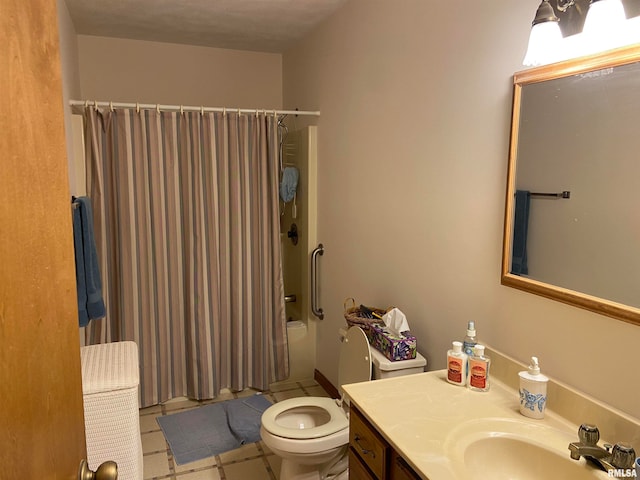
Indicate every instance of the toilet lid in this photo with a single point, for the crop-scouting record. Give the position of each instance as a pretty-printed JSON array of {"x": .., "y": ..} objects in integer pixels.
[{"x": 355, "y": 358}]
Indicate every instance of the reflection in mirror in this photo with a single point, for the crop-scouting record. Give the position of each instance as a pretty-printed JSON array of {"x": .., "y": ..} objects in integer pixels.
[{"x": 572, "y": 226}]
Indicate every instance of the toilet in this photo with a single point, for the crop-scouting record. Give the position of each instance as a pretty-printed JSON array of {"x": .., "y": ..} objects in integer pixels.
[{"x": 311, "y": 434}]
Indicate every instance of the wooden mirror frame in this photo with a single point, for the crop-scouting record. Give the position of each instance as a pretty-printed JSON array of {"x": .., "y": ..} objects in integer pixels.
[{"x": 613, "y": 58}]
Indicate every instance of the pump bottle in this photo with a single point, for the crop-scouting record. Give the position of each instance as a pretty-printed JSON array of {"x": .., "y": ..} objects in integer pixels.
[{"x": 533, "y": 391}]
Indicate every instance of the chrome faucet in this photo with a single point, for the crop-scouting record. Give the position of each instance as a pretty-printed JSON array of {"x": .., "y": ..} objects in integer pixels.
[{"x": 620, "y": 456}]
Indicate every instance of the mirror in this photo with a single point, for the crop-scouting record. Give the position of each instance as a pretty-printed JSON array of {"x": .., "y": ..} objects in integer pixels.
[{"x": 572, "y": 217}]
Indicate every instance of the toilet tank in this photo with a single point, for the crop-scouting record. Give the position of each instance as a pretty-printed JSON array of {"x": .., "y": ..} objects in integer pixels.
[
  {"x": 382, "y": 367},
  {"x": 385, "y": 368}
]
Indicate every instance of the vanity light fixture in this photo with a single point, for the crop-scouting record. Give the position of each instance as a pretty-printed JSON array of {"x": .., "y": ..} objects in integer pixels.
[
  {"x": 545, "y": 38},
  {"x": 564, "y": 29}
]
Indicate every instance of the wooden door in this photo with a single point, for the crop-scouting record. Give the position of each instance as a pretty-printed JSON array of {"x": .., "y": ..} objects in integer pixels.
[{"x": 41, "y": 417}]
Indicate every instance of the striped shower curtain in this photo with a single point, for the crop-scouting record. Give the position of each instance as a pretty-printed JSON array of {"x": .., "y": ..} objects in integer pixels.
[{"x": 187, "y": 230}]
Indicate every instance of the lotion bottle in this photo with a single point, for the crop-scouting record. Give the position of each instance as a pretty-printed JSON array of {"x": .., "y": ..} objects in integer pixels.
[
  {"x": 478, "y": 379},
  {"x": 533, "y": 391},
  {"x": 457, "y": 365}
]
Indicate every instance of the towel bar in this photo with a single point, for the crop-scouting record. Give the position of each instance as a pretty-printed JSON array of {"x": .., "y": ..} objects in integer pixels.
[{"x": 564, "y": 194}]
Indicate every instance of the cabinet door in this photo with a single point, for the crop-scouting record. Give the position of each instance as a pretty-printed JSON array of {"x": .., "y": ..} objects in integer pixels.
[
  {"x": 400, "y": 469},
  {"x": 368, "y": 444}
]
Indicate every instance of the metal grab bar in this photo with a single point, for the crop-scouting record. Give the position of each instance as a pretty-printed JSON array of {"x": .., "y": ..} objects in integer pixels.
[{"x": 319, "y": 250}]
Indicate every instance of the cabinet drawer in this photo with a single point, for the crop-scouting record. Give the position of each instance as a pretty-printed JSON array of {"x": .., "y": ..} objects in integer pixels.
[
  {"x": 357, "y": 470},
  {"x": 400, "y": 469},
  {"x": 368, "y": 444}
]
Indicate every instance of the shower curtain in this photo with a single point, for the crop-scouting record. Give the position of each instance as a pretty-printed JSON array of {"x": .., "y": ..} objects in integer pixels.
[{"x": 187, "y": 231}]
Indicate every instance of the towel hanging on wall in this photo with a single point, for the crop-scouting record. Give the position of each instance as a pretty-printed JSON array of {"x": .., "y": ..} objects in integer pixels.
[
  {"x": 520, "y": 230},
  {"x": 289, "y": 183},
  {"x": 88, "y": 282}
]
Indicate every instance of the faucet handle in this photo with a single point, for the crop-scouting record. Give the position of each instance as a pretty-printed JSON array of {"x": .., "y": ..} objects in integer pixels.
[
  {"x": 623, "y": 455},
  {"x": 588, "y": 434}
]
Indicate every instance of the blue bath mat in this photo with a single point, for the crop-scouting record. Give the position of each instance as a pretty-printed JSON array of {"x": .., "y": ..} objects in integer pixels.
[{"x": 213, "y": 429}]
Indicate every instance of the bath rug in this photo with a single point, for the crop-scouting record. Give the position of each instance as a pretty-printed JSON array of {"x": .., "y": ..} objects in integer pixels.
[{"x": 213, "y": 429}]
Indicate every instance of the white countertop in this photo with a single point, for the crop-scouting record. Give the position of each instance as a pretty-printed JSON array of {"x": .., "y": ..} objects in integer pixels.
[{"x": 422, "y": 416}]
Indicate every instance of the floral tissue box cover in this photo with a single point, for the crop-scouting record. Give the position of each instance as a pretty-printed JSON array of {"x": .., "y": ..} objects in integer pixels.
[{"x": 394, "y": 347}]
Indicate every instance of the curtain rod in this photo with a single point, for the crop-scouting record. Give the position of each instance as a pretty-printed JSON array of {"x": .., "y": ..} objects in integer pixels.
[{"x": 185, "y": 108}]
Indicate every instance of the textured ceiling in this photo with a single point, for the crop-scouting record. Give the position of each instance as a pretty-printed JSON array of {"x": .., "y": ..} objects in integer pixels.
[{"x": 257, "y": 25}]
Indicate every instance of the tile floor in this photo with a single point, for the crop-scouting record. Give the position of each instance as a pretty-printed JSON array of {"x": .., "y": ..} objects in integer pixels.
[{"x": 250, "y": 462}]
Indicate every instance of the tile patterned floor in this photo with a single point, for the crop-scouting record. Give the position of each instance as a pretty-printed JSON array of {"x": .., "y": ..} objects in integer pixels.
[{"x": 252, "y": 461}]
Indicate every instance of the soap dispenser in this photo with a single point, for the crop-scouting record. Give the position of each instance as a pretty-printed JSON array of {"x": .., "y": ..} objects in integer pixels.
[{"x": 533, "y": 391}]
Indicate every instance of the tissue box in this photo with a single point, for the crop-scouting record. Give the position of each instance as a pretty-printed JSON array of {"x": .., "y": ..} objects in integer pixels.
[{"x": 394, "y": 347}]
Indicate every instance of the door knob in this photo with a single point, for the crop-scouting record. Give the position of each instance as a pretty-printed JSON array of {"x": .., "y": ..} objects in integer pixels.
[{"x": 106, "y": 471}]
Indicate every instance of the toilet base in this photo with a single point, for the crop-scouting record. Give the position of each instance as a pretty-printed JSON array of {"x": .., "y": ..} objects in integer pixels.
[{"x": 291, "y": 468}]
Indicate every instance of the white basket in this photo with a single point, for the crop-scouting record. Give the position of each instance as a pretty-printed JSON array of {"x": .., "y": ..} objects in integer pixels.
[{"x": 110, "y": 379}]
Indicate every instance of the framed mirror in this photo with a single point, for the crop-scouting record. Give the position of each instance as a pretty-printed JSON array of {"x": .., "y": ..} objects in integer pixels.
[{"x": 572, "y": 216}]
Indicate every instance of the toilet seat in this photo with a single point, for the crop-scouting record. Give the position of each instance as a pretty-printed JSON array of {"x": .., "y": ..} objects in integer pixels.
[
  {"x": 354, "y": 366},
  {"x": 337, "y": 418}
]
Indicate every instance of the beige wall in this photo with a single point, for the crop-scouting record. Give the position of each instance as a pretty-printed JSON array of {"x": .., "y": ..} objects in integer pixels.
[
  {"x": 413, "y": 142},
  {"x": 123, "y": 70},
  {"x": 70, "y": 79}
]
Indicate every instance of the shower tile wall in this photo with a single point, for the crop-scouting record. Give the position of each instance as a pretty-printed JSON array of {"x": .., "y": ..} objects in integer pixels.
[{"x": 252, "y": 461}]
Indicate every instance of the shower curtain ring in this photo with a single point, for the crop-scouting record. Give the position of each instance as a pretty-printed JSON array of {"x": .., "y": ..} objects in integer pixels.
[
  {"x": 181, "y": 110},
  {"x": 137, "y": 107},
  {"x": 111, "y": 106}
]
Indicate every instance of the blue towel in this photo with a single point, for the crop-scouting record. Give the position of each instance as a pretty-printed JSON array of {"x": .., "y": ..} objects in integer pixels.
[
  {"x": 88, "y": 283},
  {"x": 289, "y": 183},
  {"x": 520, "y": 230}
]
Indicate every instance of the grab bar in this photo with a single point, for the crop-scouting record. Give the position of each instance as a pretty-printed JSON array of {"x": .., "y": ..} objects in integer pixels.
[{"x": 319, "y": 250}]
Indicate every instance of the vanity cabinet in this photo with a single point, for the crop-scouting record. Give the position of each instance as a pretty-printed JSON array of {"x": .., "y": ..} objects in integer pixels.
[{"x": 370, "y": 455}]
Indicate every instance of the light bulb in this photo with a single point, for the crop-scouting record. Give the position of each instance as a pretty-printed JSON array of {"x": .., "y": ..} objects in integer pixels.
[
  {"x": 604, "y": 26},
  {"x": 545, "y": 44}
]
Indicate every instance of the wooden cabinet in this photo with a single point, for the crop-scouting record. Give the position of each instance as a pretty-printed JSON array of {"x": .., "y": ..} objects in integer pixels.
[
  {"x": 370, "y": 455},
  {"x": 399, "y": 469}
]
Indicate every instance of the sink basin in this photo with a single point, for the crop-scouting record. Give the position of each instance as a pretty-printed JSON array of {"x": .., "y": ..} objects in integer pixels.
[
  {"x": 508, "y": 449},
  {"x": 513, "y": 458}
]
